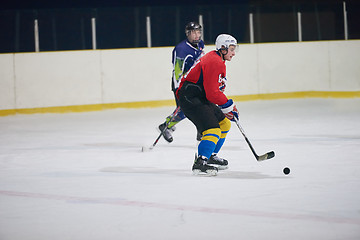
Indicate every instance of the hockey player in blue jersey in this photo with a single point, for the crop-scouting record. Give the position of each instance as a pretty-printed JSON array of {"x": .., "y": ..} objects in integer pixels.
[{"x": 184, "y": 55}]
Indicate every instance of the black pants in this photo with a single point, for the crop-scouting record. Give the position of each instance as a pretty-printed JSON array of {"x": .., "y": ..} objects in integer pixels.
[{"x": 204, "y": 114}]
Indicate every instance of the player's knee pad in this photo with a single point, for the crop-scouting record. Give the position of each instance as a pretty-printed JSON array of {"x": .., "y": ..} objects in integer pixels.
[{"x": 225, "y": 126}]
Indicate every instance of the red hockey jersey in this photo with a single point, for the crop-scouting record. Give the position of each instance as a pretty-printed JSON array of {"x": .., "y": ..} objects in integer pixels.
[{"x": 210, "y": 73}]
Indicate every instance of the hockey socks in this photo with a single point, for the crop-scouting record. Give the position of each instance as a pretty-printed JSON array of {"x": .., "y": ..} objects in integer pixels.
[
  {"x": 225, "y": 126},
  {"x": 208, "y": 142}
]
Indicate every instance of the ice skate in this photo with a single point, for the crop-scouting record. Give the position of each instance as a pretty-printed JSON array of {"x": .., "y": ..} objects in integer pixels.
[
  {"x": 218, "y": 162},
  {"x": 167, "y": 132},
  {"x": 201, "y": 166}
]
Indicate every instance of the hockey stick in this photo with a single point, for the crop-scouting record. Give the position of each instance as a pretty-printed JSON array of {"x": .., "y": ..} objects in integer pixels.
[
  {"x": 261, "y": 157},
  {"x": 144, "y": 149}
]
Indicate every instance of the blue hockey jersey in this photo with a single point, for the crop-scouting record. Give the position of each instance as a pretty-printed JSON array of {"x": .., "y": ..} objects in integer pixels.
[{"x": 184, "y": 56}]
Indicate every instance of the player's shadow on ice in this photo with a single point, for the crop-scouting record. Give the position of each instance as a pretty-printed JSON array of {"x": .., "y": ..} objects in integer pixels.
[
  {"x": 140, "y": 171},
  {"x": 245, "y": 175}
]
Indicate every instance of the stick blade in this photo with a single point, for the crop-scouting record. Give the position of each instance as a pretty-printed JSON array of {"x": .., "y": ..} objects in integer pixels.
[
  {"x": 146, "y": 149},
  {"x": 266, "y": 156}
]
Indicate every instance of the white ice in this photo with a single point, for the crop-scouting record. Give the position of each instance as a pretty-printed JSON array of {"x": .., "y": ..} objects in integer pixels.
[{"x": 82, "y": 176}]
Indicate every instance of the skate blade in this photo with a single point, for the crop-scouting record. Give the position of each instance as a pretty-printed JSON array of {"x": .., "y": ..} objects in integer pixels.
[
  {"x": 208, "y": 172},
  {"x": 212, "y": 172},
  {"x": 219, "y": 167},
  {"x": 222, "y": 167}
]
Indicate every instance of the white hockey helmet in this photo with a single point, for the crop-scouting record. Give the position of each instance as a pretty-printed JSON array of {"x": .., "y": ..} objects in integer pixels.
[{"x": 224, "y": 41}]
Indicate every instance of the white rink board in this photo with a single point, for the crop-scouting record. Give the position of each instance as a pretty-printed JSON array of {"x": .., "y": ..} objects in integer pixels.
[
  {"x": 291, "y": 67},
  {"x": 345, "y": 65},
  {"x": 57, "y": 79},
  {"x": 131, "y": 75},
  {"x": 46, "y": 79},
  {"x": 242, "y": 71},
  {"x": 7, "y": 88}
]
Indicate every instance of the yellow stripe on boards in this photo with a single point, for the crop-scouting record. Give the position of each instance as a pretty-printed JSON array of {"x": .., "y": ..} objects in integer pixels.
[
  {"x": 162, "y": 103},
  {"x": 286, "y": 95},
  {"x": 88, "y": 108}
]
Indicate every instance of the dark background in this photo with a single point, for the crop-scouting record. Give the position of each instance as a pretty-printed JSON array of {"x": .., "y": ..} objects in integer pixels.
[{"x": 66, "y": 25}]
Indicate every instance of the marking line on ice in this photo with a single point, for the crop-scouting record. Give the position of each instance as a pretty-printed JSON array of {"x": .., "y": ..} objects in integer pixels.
[{"x": 124, "y": 202}]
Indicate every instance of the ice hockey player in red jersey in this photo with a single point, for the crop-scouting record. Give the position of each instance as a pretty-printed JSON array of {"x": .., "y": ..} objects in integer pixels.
[{"x": 202, "y": 99}]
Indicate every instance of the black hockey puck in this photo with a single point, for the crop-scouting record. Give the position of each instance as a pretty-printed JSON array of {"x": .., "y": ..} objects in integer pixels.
[{"x": 286, "y": 171}]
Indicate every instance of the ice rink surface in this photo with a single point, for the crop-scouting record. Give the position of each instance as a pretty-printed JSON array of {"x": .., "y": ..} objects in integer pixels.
[{"x": 82, "y": 176}]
